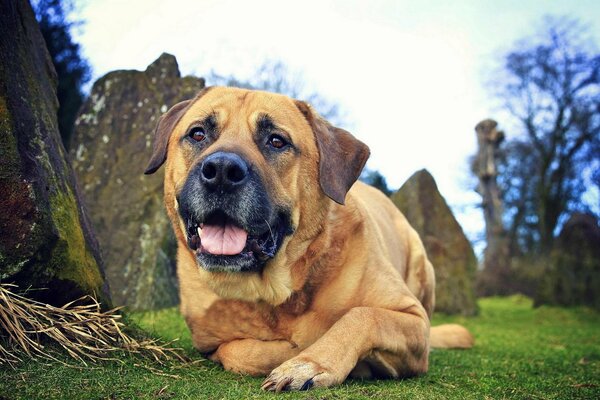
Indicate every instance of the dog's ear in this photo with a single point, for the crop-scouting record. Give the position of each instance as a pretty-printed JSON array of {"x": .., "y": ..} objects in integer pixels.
[
  {"x": 342, "y": 156},
  {"x": 164, "y": 129},
  {"x": 162, "y": 133}
]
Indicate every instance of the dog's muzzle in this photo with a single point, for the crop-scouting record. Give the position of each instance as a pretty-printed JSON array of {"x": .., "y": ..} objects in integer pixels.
[{"x": 231, "y": 223}]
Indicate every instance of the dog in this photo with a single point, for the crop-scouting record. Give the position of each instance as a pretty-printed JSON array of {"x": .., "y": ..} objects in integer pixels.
[{"x": 288, "y": 267}]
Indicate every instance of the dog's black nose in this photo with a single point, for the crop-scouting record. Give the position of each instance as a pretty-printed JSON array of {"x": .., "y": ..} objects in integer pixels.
[{"x": 223, "y": 170}]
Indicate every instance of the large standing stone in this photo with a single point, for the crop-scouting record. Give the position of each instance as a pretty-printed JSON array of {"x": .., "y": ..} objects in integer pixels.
[
  {"x": 447, "y": 246},
  {"x": 45, "y": 239},
  {"x": 573, "y": 272},
  {"x": 110, "y": 149}
]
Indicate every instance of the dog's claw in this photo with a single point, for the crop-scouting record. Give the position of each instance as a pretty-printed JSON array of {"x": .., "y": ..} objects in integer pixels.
[
  {"x": 283, "y": 384},
  {"x": 273, "y": 386},
  {"x": 267, "y": 384}
]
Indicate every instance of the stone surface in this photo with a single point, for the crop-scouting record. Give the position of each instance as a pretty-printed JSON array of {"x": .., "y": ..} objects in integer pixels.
[
  {"x": 110, "y": 149},
  {"x": 572, "y": 276},
  {"x": 447, "y": 246},
  {"x": 496, "y": 278},
  {"x": 45, "y": 239}
]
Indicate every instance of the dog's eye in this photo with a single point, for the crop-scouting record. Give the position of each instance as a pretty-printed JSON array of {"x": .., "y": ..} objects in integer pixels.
[
  {"x": 197, "y": 134},
  {"x": 277, "y": 142}
]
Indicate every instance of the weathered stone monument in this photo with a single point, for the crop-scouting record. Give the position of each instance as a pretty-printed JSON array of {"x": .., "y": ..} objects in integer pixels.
[
  {"x": 495, "y": 278},
  {"x": 573, "y": 272},
  {"x": 110, "y": 149},
  {"x": 447, "y": 247},
  {"x": 45, "y": 237}
]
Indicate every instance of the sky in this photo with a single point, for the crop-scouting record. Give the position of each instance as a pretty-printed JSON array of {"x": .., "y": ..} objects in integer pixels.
[{"x": 412, "y": 77}]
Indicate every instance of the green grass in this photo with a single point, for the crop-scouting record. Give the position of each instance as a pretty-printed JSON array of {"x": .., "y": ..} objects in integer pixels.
[{"x": 521, "y": 352}]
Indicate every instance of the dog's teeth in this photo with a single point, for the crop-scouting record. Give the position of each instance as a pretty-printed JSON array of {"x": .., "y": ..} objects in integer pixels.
[{"x": 200, "y": 230}]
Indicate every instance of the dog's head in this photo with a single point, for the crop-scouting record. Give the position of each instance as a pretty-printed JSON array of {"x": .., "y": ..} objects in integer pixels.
[{"x": 241, "y": 173}]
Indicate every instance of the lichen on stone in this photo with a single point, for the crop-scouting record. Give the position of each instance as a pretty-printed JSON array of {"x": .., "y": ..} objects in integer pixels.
[{"x": 74, "y": 260}]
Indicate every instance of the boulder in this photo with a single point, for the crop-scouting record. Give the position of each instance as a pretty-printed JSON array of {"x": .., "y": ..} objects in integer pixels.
[
  {"x": 572, "y": 275},
  {"x": 447, "y": 246},
  {"x": 45, "y": 237},
  {"x": 110, "y": 148}
]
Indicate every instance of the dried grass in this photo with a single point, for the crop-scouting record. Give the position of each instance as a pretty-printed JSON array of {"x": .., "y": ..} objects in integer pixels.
[{"x": 80, "y": 327}]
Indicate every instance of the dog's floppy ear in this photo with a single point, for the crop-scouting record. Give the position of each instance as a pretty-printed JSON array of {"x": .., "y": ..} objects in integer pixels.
[
  {"x": 164, "y": 129},
  {"x": 342, "y": 156},
  {"x": 162, "y": 133}
]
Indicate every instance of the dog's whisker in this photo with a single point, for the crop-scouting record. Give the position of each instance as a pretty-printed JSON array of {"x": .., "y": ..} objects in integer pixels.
[{"x": 270, "y": 230}]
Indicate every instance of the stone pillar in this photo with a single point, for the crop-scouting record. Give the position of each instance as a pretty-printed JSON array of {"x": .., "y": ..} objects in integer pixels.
[
  {"x": 447, "y": 247},
  {"x": 495, "y": 276},
  {"x": 45, "y": 237}
]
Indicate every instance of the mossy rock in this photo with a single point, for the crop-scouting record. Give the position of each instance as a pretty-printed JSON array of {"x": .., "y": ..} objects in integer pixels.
[
  {"x": 572, "y": 274},
  {"x": 447, "y": 246},
  {"x": 45, "y": 238},
  {"x": 110, "y": 148}
]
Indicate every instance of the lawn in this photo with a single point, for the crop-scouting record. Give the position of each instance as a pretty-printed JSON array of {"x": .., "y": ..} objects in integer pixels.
[{"x": 521, "y": 352}]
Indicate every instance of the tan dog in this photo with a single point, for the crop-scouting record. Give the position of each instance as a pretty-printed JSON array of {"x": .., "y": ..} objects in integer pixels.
[{"x": 277, "y": 276}]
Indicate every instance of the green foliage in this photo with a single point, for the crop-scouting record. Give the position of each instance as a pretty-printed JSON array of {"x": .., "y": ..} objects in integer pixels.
[
  {"x": 376, "y": 179},
  {"x": 72, "y": 69},
  {"x": 521, "y": 352}
]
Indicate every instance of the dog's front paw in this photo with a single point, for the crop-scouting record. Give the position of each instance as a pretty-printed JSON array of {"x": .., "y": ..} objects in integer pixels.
[{"x": 299, "y": 374}]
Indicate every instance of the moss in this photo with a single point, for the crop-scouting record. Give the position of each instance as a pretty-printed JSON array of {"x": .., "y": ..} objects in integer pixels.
[{"x": 72, "y": 259}]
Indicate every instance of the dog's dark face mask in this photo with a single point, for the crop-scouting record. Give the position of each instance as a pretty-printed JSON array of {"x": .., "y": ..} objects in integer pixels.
[{"x": 231, "y": 223}]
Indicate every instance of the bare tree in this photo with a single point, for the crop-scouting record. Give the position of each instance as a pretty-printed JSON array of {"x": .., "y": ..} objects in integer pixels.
[{"x": 550, "y": 83}]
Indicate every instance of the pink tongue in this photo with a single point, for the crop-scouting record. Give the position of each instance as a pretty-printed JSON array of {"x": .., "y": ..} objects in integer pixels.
[{"x": 223, "y": 240}]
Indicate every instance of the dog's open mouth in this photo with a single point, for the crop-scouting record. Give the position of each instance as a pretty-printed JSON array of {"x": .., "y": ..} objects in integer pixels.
[{"x": 220, "y": 241}]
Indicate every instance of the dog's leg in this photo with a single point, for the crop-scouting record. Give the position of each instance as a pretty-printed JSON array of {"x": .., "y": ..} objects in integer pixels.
[
  {"x": 362, "y": 330},
  {"x": 254, "y": 357}
]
